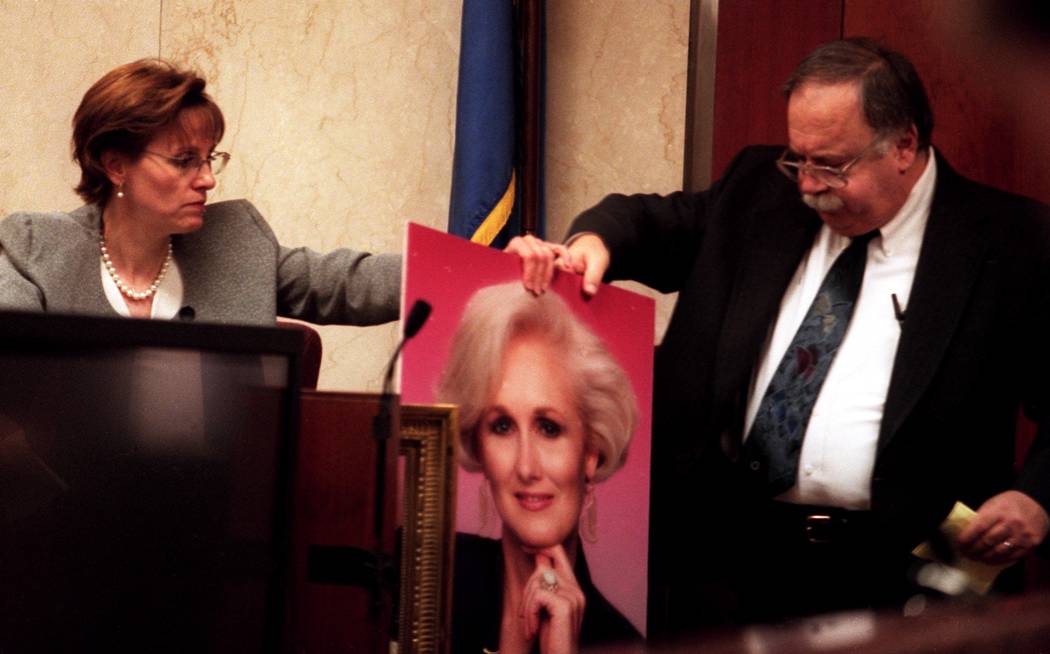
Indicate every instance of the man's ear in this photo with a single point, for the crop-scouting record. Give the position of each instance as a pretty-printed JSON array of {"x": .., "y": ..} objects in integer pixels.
[
  {"x": 115, "y": 165},
  {"x": 906, "y": 148}
]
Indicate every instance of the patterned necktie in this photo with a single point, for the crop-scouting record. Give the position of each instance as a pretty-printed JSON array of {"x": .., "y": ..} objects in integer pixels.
[{"x": 772, "y": 447}]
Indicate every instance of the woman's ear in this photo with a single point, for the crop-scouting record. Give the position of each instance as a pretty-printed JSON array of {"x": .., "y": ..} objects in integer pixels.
[
  {"x": 115, "y": 166},
  {"x": 590, "y": 463}
]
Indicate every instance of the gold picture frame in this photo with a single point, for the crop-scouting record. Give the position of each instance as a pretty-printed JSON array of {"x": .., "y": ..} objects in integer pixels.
[{"x": 428, "y": 449}]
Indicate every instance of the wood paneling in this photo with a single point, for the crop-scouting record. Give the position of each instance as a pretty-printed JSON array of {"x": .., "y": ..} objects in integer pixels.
[
  {"x": 759, "y": 43},
  {"x": 973, "y": 128},
  {"x": 336, "y": 604}
]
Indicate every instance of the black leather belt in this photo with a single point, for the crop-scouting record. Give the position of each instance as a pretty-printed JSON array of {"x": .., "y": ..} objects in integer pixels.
[{"x": 818, "y": 525}]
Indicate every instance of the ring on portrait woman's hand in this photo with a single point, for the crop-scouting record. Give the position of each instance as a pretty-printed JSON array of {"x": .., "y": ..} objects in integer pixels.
[{"x": 548, "y": 581}]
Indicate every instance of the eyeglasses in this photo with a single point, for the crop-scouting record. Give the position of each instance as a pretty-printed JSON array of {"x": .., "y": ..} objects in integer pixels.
[
  {"x": 830, "y": 176},
  {"x": 192, "y": 164}
]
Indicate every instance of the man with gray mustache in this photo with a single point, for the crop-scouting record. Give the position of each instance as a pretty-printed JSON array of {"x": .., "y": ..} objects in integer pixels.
[{"x": 856, "y": 330}]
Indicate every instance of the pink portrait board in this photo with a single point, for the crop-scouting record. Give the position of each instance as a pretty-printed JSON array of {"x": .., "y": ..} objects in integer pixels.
[{"x": 445, "y": 271}]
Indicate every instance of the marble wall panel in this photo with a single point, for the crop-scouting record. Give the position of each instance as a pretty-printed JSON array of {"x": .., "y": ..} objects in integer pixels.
[
  {"x": 340, "y": 118},
  {"x": 616, "y": 79},
  {"x": 52, "y": 52}
]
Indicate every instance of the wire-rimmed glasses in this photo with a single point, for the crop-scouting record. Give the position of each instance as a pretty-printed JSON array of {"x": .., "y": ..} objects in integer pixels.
[
  {"x": 830, "y": 176},
  {"x": 192, "y": 164}
]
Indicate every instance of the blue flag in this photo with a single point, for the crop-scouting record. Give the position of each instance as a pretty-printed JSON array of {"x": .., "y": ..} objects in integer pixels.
[{"x": 484, "y": 206}]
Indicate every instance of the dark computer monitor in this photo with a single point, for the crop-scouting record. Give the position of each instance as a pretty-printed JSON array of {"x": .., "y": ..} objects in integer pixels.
[{"x": 145, "y": 484}]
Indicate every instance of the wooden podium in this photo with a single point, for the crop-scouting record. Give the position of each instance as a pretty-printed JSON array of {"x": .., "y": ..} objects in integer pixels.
[{"x": 344, "y": 574}]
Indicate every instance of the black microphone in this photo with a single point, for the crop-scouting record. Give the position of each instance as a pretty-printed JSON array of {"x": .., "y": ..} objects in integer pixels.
[
  {"x": 417, "y": 317},
  {"x": 187, "y": 314}
]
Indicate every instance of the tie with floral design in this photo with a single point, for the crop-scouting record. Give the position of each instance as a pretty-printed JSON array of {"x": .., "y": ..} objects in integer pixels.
[{"x": 772, "y": 447}]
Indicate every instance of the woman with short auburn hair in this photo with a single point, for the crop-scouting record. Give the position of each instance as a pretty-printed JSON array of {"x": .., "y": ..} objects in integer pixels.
[
  {"x": 126, "y": 108},
  {"x": 146, "y": 244}
]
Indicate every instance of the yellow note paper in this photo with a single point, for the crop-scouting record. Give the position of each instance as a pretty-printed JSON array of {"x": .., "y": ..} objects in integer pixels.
[{"x": 979, "y": 575}]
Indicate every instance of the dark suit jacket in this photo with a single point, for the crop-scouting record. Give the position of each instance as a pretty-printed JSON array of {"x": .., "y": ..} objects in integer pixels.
[
  {"x": 477, "y": 603},
  {"x": 973, "y": 350}
]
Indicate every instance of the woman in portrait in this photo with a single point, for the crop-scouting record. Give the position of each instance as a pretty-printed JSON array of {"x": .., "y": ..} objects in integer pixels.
[
  {"x": 146, "y": 244},
  {"x": 545, "y": 414}
]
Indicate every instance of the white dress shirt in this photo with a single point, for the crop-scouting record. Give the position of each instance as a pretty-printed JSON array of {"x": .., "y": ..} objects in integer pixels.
[{"x": 838, "y": 450}]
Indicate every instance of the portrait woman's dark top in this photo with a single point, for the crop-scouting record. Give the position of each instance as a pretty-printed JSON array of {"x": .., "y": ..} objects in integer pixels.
[{"x": 477, "y": 600}]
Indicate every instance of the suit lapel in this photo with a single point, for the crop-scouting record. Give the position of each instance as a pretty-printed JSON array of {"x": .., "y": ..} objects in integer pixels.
[
  {"x": 84, "y": 265},
  {"x": 950, "y": 261},
  {"x": 776, "y": 243}
]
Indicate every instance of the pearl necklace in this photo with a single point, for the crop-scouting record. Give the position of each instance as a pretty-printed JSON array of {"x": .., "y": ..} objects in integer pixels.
[{"x": 126, "y": 290}]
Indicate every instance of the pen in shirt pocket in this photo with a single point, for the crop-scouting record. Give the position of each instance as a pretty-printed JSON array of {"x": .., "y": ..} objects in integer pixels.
[{"x": 898, "y": 313}]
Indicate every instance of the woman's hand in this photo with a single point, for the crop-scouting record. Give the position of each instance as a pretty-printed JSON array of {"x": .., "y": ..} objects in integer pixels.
[
  {"x": 586, "y": 256},
  {"x": 539, "y": 260},
  {"x": 552, "y": 609}
]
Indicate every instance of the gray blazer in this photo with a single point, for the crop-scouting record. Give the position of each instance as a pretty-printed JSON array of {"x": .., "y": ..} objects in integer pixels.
[{"x": 233, "y": 269}]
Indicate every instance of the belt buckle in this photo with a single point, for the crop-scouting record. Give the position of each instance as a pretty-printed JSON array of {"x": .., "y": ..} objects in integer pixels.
[{"x": 818, "y": 528}]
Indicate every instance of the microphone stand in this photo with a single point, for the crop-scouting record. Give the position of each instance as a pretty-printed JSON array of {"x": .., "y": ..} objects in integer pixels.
[{"x": 381, "y": 432}]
